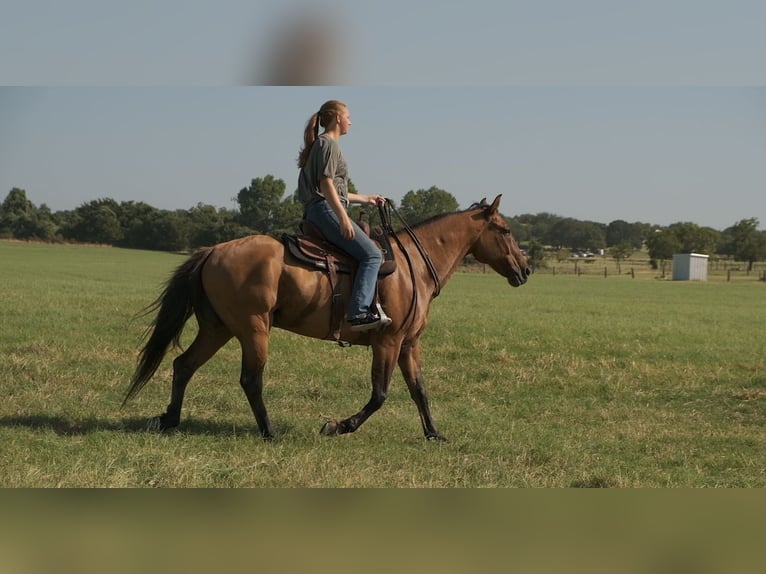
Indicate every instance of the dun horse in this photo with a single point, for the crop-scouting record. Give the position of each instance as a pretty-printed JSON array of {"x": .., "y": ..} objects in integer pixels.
[{"x": 245, "y": 287}]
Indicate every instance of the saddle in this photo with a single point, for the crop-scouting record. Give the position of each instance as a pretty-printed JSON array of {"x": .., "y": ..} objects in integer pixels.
[{"x": 311, "y": 249}]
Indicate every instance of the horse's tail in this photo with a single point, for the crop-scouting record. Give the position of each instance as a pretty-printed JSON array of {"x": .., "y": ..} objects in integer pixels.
[{"x": 176, "y": 305}]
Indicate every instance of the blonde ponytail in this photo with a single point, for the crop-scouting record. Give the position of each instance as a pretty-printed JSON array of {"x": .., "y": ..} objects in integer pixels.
[{"x": 311, "y": 132}]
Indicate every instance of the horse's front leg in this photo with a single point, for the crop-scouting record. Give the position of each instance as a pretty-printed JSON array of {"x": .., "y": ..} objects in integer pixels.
[
  {"x": 383, "y": 363},
  {"x": 409, "y": 363}
]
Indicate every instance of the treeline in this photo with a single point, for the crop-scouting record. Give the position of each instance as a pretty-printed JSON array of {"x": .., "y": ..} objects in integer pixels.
[
  {"x": 263, "y": 207},
  {"x": 260, "y": 209},
  {"x": 545, "y": 234}
]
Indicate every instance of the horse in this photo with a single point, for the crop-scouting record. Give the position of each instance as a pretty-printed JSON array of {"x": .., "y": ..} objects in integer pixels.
[{"x": 245, "y": 287}]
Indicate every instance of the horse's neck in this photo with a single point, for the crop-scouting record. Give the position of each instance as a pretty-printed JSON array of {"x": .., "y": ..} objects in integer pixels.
[{"x": 446, "y": 241}]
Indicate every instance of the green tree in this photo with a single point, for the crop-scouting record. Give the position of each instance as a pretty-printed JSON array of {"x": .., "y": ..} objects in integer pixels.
[
  {"x": 745, "y": 242},
  {"x": 425, "y": 203},
  {"x": 620, "y": 232},
  {"x": 95, "y": 222},
  {"x": 576, "y": 235},
  {"x": 289, "y": 216},
  {"x": 538, "y": 226},
  {"x": 261, "y": 207},
  {"x": 620, "y": 253},
  {"x": 18, "y": 215},
  {"x": 16, "y": 203},
  {"x": 695, "y": 239},
  {"x": 165, "y": 232},
  {"x": 136, "y": 223},
  {"x": 662, "y": 244},
  {"x": 205, "y": 225},
  {"x": 45, "y": 224},
  {"x": 146, "y": 227},
  {"x": 521, "y": 231}
]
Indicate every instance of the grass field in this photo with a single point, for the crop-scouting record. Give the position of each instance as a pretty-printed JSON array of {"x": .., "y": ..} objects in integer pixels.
[{"x": 568, "y": 381}]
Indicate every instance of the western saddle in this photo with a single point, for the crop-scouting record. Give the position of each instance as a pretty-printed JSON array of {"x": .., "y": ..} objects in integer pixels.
[{"x": 310, "y": 248}]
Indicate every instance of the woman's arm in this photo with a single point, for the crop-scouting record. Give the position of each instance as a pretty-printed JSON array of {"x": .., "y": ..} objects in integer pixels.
[
  {"x": 327, "y": 187},
  {"x": 365, "y": 199}
]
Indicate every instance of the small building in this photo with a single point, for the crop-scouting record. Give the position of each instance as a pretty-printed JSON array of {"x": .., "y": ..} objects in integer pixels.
[{"x": 690, "y": 267}]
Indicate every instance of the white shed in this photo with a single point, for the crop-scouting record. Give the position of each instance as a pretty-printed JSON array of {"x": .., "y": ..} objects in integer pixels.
[{"x": 689, "y": 267}]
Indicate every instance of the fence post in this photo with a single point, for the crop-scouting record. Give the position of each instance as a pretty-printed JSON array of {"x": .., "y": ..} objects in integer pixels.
[
  {"x": 632, "y": 273},
  {"x": 605, "y": 272},
  {"x": 728, "y": 275}
]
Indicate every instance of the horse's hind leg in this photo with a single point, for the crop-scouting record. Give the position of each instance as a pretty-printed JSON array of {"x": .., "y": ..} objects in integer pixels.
[
  {"x": 409, "y": 363},
  {"x": 209, "y": 339},
  {"x": 255, "y": 349}
]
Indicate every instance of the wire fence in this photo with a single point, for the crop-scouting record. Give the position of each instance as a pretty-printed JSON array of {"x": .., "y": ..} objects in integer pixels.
[{"x": 606, "y": 267}]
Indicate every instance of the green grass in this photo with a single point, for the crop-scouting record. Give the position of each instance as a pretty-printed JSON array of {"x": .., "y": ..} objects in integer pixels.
[{"x": 567, "y": 381}]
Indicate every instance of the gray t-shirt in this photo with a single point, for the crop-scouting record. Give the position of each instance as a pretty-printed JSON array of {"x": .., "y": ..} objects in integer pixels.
[{"x": 325, "y": 160}]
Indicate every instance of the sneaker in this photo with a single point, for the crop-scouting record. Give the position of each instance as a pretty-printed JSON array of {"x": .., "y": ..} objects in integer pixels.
[{"x": 367, "y": 322}]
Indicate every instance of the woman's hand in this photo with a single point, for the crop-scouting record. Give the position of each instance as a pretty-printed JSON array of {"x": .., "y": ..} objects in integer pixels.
[
  {"x": 376, "y": 199},
  {"x": 346, "y": 229},
  {"x": 366, "y": 199}
]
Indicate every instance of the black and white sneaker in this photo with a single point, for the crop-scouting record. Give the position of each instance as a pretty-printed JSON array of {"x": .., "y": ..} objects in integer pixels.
[{"x": 365, "y": 322}]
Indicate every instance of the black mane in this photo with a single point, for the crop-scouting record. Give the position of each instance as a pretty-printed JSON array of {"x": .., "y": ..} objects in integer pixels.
[{"x": 473, "y": 207}]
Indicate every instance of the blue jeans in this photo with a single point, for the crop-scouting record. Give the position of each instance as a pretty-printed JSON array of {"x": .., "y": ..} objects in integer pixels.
[{"x": 361, "y": 248}]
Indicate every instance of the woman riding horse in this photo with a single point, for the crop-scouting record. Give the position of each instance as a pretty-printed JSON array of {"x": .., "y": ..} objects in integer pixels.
[{"x": 245, "y": 287}]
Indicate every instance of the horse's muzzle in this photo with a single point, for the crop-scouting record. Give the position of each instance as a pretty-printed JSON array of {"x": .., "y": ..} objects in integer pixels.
[{"x": 518, "y": 278}]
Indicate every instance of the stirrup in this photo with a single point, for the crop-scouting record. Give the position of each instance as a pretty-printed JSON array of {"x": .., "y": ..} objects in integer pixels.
[{"x": 385, "y": 320}]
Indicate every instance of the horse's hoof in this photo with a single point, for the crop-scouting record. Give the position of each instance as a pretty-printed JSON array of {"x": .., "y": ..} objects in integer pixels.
[
  {"x": 154, "y": 424},
  {"x": 330, "y": 428},
  {"x": 436, "y": 437}
]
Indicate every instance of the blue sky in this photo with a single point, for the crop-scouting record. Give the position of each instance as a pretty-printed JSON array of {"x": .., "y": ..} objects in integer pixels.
[
  {"x": 601, "y": 110},
  {"x": 403, "y": 42},
  {"x": 653, "y": 154}
]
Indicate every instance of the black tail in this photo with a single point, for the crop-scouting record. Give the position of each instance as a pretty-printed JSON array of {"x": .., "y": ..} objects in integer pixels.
[{"x": 175, "y": 304}]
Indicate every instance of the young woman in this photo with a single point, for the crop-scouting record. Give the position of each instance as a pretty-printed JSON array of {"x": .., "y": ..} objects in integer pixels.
[{"x": 323, "y": 190}]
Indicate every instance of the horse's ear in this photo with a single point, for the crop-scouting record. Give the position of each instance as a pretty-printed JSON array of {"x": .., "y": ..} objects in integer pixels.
[
  {"x": 495, "y": 204},
  {"x": 483, "y": 201}
]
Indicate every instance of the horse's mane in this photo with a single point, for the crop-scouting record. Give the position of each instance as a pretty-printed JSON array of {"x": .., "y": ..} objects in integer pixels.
[{"x": 473, "y": 207}]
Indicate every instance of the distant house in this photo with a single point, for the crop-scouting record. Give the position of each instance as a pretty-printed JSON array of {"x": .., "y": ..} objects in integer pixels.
[{"x": 690, "y": 267}]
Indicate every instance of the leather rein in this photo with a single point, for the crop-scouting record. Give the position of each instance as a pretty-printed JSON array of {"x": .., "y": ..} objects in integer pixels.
[{"x": 385, "y": 217}]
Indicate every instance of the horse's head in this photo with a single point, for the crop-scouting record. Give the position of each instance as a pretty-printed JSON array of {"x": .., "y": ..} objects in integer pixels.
[{"x": 497, "y": 248}]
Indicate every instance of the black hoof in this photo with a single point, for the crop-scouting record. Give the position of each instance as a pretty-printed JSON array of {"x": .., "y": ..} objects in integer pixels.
[
  {"x": 330, "y": 428},
  {"x": 437, "y": 437},
  {"x": 159, "y": 424}
]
